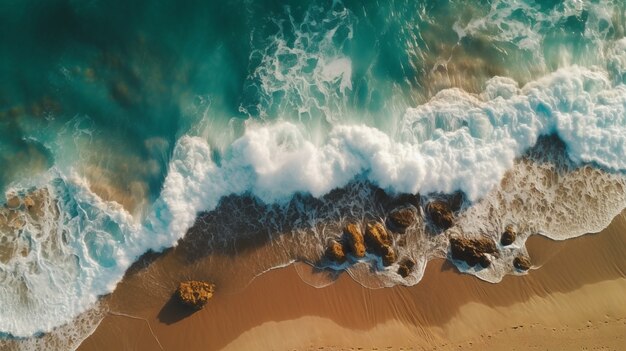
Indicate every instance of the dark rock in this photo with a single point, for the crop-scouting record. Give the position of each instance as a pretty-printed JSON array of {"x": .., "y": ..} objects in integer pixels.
[
  {"x": 508, "y": 237},
  {"x": 389, "y": 202},
  {"x": 195, "y": 294},
  {"x": 406, "y": 267},
  {"x": 405, "y": 199},
  {"x": 354, "y": 239},
  {"x": 473, "y": 251},
  {"x": 381, "y": 197},
  {"x": 455, "y": 201},
  {"x": 484, "y": 261},
  {"x": 522, "y": 263},
  {"x": 388, "y": 255},
  {"x": 400, "y": 219},
  {"x": 376, "y": 237},
  {"x": 335, "y": 252},
  {"x": 122, "y": 94},
  {"x": 440, "y": 214}
]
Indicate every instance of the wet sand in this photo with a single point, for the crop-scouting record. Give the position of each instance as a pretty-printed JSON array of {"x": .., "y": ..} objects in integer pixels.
[{"x": 574, "y": 298}]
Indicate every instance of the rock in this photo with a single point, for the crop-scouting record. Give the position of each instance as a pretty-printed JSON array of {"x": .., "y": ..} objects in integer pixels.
[
  {"x": 473, "y": 251},
  {"x": 90, "y": 74},
  {"x": 404, "y": 200},
  {"x": 17, "y": 223},
  {"x": 29, "y": 202},
  {"x": 195, "y": 294},
  {"x": 440, "y": 214},
  {"x": 455, "y": 201},
  {"x": 391, "y": 201},
  {"x": 406, "y": 267},
  {"x": 484, "y": 261},
  {"x": 388, "y": 255},
  {"x": 354, "y": 239},
  {"x": 16, "y": 111},
  {"x": 13, "y": 201},
  {"x": 508, "y": 237},
  {"x": 400, "y": 219},
  {"x": 379, "y": 241},
  {"x": 122, "y": 94},
  {"x": 376, "y": 237},
  {"x": 522, "y": 263},
  {"x": 335, "y": 253},
  {"x": 401, "y": 242}
]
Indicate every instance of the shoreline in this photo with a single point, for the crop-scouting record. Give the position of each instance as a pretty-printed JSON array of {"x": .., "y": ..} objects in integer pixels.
[{"x": 579, "y": 284}]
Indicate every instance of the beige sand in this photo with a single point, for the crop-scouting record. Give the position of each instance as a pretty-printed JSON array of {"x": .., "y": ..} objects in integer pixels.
[{"x": 576, "y": 300}]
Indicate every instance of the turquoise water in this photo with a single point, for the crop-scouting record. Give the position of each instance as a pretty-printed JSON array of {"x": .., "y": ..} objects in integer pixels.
[{"x": 135, "y": 117}]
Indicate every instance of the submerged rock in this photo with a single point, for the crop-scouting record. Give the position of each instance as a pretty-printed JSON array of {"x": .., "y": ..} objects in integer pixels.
[
  {"x": 29, "y": 202},
  {"x": 195, "y": 294},
  {"x": 400, "y": 219},
  {"x": 376, "y": 237},
  {"x": 406, "y": 199},
  {"x": 388, "y": 255},
  {"x": 509, "y": 235},
  {"x": 335, "y": 252},
  {"x": 13, "y": 202},
  {"x": 473, "y": 251},
  {"x": 484, "y": 261},
  {"x": 354, "y": 239},
  {"x": 522, "y": 263},
  {"x": 406, "y": 267},
  {"x": 440, "y": 214}
]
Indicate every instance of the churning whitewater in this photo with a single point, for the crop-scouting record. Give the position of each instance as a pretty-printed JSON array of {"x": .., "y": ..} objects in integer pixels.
[{"x": 316, "y": 116}]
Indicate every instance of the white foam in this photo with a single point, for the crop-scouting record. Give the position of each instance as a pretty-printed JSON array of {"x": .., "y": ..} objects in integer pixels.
[
  {"x": 616, "y": 61},
  {"x": 76, "y": 252},
  {"x": 307, "y": 76},
  {"x": 527, "y": 25}
]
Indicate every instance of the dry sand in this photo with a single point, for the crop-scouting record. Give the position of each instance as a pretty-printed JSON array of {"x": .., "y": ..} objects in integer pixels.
[{"x": 574, "y": 299}]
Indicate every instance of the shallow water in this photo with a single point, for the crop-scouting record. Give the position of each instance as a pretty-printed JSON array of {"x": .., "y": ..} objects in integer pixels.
[{"x": 125, "y": 121}]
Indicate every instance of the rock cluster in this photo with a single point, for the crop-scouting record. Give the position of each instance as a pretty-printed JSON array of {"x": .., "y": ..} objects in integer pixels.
[
  {"x": 376, "y": 240},
  {"x": 195, "y": 294},
  {"x": 473, "y": 251},
  {"x": 16, "y": 210},
  {"x": 509, "y": 235},
  {"x": 382, "y": 239}
]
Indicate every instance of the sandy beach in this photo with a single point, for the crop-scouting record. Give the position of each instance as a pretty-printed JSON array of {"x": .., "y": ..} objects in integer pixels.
[{"x": 572, "y": 299}]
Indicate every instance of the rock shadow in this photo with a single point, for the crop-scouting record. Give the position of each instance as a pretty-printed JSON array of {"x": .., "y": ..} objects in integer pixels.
[{"x": 174, "y": 311}]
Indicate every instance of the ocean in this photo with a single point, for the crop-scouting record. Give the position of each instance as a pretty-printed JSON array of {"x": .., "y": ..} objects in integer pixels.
[{"x": 123, "y": 125}]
